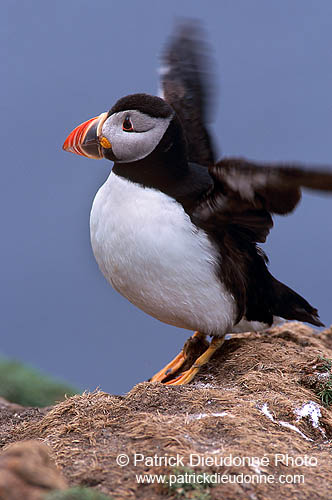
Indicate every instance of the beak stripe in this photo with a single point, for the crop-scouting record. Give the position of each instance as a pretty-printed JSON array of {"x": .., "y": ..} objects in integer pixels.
[{"x": 75, "y": 140}]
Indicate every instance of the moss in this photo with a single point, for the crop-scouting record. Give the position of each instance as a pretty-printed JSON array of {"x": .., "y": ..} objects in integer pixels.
[
  {"x": 77, "y": 494},
  {"x": 26, "y": 386},
  {"x": 185, "y": 487}
]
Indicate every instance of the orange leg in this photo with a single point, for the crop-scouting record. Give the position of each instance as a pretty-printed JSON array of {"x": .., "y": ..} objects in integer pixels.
[
  {"x": 175, "y": 364},
  {"x": 188, "y": 375}
]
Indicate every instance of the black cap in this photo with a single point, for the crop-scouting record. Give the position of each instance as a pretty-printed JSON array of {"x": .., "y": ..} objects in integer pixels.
[{"x": 145, "y": 103}]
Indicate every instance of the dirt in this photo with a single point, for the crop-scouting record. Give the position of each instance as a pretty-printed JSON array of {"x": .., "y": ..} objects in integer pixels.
[{"x": 258, "y": 397}]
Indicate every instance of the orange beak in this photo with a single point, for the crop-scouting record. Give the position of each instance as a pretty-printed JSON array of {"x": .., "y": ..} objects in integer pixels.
[{"x": 86, "y": 139}]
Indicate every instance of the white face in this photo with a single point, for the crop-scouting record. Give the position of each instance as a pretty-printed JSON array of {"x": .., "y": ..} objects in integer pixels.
[{"x": 134, "y": 135}]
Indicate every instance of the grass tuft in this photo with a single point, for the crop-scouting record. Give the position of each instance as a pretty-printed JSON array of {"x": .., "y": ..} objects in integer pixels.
[
  {"x": 324, "y": 390},
  {"x": 325, "y": 364}
]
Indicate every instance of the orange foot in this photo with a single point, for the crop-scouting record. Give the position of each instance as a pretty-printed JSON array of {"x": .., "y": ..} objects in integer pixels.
[
  {"x": 178, "y": 361},
  {"x": 188, "y": 375}
]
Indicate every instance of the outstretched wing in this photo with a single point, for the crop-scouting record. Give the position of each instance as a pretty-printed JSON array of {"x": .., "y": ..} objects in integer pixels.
[
  {"x": 187, "y": 86},
  {"x": 245, "y": 194}
]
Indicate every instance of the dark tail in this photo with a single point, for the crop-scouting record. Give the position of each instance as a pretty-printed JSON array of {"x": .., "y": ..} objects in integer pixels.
[{"x": 290, "y": 305}]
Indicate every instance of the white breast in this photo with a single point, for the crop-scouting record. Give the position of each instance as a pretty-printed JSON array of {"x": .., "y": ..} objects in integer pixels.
[{"x": 148, "y": 249}]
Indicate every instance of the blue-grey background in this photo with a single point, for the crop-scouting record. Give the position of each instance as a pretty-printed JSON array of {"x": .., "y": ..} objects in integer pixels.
[{"x": 66, "y": 61}]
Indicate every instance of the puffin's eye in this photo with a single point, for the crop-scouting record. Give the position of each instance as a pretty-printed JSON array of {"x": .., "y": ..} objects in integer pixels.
[{"x": 127, "y": 126}]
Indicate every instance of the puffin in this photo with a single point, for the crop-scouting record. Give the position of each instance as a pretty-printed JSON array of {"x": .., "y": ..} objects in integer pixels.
[{"x": 177, "y": 231}]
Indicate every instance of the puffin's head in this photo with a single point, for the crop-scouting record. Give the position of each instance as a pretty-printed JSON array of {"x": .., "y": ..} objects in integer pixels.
[{"x": 130, "y": 131}]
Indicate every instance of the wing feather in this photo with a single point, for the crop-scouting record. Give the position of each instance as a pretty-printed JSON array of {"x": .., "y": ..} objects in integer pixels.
[
  {"x": 245, "y": 193},
  {"x": 187, "y": 86}
]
